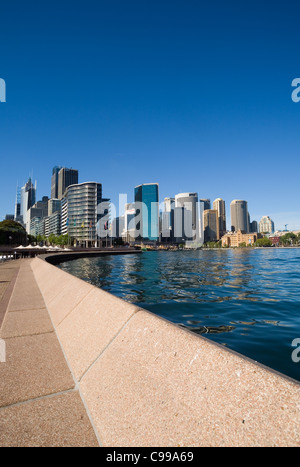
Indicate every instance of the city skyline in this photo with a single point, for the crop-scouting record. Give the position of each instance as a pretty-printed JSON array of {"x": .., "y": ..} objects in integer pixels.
[
  {"x": 194, "y": 97},
  {"x": 119, "y": 207},
  {"x": 53, "y": 215}
]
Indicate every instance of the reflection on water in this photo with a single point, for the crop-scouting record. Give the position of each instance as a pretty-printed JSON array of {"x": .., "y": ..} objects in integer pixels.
[
  {"x": 211, "y": 329},
  {"x": 245, "y": 299}
]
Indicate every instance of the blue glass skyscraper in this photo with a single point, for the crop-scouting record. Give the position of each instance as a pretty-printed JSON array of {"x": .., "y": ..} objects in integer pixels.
[{"x": 146, "y": 202}]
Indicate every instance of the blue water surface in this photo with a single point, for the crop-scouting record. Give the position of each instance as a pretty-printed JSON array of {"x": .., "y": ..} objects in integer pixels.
[{"x": 245, "y": 299}]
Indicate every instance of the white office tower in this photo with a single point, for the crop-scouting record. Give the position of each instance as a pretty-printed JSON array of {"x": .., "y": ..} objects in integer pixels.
[{"x": 188, "y": 219}]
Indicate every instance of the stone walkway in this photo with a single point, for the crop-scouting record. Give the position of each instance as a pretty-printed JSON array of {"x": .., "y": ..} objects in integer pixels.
[
  {"x": 82, "y": 367},
  {"x": 39, "y": 403}
]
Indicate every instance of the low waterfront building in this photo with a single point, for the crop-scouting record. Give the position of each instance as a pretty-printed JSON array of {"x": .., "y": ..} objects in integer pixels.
[
  {"x": 280, "y": 233},
  {"x": 46, "y": 225},
  {"x": 235, "y": 239},
  {"x": 275, "y": 240},
  {"x": 55, "y": 223},
  {"x": 266, "y": 225},
  {"x": 35, "y": 226},
  {"x": 41, "y": 227}
]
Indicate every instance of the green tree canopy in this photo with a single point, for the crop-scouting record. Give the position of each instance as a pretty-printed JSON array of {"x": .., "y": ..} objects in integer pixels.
[
  {"x": 263, "y": 242},
  {"x": 11, "y": 226},
  {"x": 12, "y": 233},
  {"x": 289, "y": 239}
]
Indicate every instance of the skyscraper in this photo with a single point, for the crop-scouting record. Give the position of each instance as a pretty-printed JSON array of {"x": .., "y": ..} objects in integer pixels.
[
  {"x": 147, "y": 211},
  {"x": 27, "y": 199},
  {"x": 189, "y": 204},
  {"x": 66, "y": 177},
  {"x": 18, "y": 217},
  {"x": 54, "y": 182},
  {"x": 167, "y": 228},
  {"x": 219, "y": 206},
  {"x": 253, "y": 226},
  {"x": 211, "y": 225},
  {"x": 239, "y": 216},
  {"x": 206, "y": 203}
]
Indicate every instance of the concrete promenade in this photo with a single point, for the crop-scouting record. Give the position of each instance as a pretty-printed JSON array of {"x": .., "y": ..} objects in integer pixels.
[
  {"x": 39, "y": 403},
  {"x": 85, "y": 368}
]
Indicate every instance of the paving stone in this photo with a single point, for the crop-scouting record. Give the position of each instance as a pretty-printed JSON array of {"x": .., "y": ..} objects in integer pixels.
[
  {"x": 35, "y": 366},
  {"x": 6, "y": 275},
  {"x": 26, "y": 295},
  {"x": 35, "y": 370},
  {"x": 23, "y": 323},
  {"x": 3, "y": 287},
  {"x": 58, "y": 421}
]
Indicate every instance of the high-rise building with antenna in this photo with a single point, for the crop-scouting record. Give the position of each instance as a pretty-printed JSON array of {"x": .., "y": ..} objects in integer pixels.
[{"x": 27, "y": 199}]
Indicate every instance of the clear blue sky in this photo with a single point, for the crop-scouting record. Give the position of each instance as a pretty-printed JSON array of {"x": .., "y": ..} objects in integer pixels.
[{"x": 193, "y": 95}]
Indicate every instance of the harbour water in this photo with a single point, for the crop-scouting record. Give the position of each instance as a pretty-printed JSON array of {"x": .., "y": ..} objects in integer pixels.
[{"x": 245, "y": 299}]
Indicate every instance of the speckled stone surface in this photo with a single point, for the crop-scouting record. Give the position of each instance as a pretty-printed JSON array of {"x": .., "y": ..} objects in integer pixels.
[
  {"x": 159, "y": 385},
  {"x": 35, "y": 366},
  {"x": 6, "y": 273},
  {"x": 39, "y": 404},
  {"x": 3, "y": 287},
  {"x": 27, "y": 294},
  {"x": 58, "y": 421},
  {"x": 70, "y": 294},
  {"x": 9, "y": 272},
  {"x": 24, "y": 323},
  {"x": 90, "y": 327}
]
